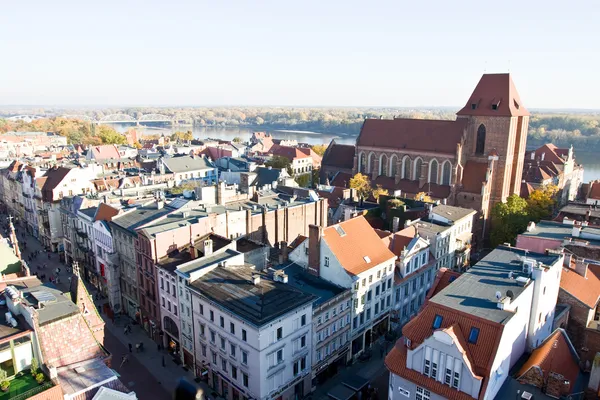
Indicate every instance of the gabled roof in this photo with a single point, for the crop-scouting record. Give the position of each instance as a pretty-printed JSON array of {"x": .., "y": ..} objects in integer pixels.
[
  {"x": 105, "y": 212},
  {"x": 557, "y": 355},
  {"x": 481, "y": 354},
  {"x": 402, "y": 239},
  {"x": 356, "y": 245},
  {"x": 443, "y": 278},
  {"x": 288, "y": 152},
  {"x": 413, "y": 134},
  {"x": 594, "y": 190},
  {"x": 497, "y": 89},
  {"x": 551, "y": 153},
  {"x": 526, "y": 190},
  {"x": 54, "y": 176},
  {"x": 339, "y": 155},
  {"x": 585, "y": 289},
  {"x": 341, "y": 179},
  {"x": 105, "y": 151}
]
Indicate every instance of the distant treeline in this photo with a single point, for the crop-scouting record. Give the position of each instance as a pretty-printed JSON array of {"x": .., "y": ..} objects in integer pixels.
[{"x": 580, "y": 129}]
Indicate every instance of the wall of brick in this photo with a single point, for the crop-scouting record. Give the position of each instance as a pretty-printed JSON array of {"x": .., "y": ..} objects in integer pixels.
[
  {"x": 54, "y": 393},
  {"x": 579, "y": 315}
]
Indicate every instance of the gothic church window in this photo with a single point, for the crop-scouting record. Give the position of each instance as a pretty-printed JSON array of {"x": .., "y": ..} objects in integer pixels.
[
  {"x": 446, "y": 173},
  {"x": 480, "y": 146},
  {"x": 393, "y": 166},
  {"x": 383, "y": 165},
  {"x": 433, "y": 171},
  {"x": 418, "y": 165}
]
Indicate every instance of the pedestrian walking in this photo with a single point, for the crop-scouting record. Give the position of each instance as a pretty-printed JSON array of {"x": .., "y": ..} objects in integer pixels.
[
  {"x": 124, "y": 360},
  {"x": 130, "y": 347}
]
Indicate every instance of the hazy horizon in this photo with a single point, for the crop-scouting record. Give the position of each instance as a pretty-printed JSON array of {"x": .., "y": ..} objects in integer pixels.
[{"x": 384, "y": 54}]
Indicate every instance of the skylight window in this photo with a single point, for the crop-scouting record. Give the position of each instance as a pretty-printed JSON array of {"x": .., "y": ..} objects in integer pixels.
[
  {"x": 473, "y": 106},
  {"x": 437, "y": 321},
  {"x": 367, "y": 259},
  {"x": 340, "y": 230},
  {"x": 473, "y": 335}
]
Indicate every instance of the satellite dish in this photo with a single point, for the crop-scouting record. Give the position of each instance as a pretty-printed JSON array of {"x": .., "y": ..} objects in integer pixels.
[
  {"x": 510, "y": 294},
  {"x": 498, "y": 295}
]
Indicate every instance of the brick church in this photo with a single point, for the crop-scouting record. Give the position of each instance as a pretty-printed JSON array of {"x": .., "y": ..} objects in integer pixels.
[{"x": 473, "y": 162}]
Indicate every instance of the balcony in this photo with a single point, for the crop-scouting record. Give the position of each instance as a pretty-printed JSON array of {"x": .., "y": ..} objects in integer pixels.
[{"x": 81, "y": 233}]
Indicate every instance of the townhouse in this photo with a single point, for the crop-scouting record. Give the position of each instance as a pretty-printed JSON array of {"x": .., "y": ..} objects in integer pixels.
[
  {"x": 475, "y": 328},
  {"x": 186, "y": 168},
  {"x": 254, "y": 331},
  {"x": 352, "y": 255}
]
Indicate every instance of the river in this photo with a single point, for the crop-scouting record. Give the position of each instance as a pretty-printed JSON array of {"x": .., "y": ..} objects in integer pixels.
[{"x": 590, "y": 160}]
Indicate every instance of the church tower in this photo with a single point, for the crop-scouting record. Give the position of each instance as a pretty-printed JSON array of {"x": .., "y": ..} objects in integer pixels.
[{"x": 497, "y": 120}]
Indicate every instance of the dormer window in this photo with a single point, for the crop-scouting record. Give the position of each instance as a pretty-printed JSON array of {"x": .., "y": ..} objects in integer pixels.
[
  {"x": 473, "y": 335},
  {"x": 437, "y": 321},
  {"x": 494, "y": 106},
  {"x": 516, "y": 104},
  {"x": 473, "y": 106}
]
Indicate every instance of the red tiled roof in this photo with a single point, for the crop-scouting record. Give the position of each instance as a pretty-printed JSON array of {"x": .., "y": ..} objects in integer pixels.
[
  {"x": 54, "y": 177},
  {"x": 105, "y": 151},
  {"x": 551, "y": 153},
  {"x": 414, "y": 134},
  {"x": 402, "y": 238},
  {"x": 341, "y": 179},
  {"x": 288, "y": 152},
  {"x": 358, "y": 241},
  {"x": 482, "y": 353},
  {"x": 526, "y": 190},
  {"x": 105, "y": 212},
  {"x": 555, "y": 355},
  {"x": 586, "y": 290},
  {"x": 474, "y": 176},
  {"x": 496, "y": 89},
  {"x": 395, "y": 361},
  {"x": 339, "y": 155},
  {"x": 594, "y": 190},
  {"x": 443, "y": 278}
]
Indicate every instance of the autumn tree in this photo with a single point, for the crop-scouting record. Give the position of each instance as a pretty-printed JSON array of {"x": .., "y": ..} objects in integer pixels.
[
  {"x": 422, "y": 196},
  {"x": 362, "y": 185},
  {"x": 508, "y": 220},
  {"x": 303, "y": 180},
  {"x": 182, "y": 136},
  {"x": 541, "y": 203},
  {"x": 280, "y": 162},
  {"x": 109, "y": 136},
  {"x": 319, "y": 149},
  {"x": 378, "y": 191}
]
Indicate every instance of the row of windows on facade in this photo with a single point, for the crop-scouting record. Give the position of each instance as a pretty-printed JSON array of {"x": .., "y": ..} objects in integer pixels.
[
  {"x": 427, "y": 276},
  {"x": 409, "y": 169},
  {"x": 451, "y": 367},
  {"x": 365, "y": 316},
  {"x": 378, "y": 289},
  {"x": 417, "y": 262},
  {"x": 275, "y": 335},
  {"x": 332, "y": 347},
  {"x": 333, "y": 328},
  {"x": 334, "y": 312},
  {"x": 380, "y": 273}
]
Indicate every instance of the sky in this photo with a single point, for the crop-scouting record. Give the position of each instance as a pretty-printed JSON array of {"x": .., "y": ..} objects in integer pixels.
[{"x": 296, "y": 52}]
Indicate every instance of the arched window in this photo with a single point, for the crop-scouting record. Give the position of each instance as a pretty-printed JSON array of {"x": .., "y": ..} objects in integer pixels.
[
  {"x": 480, "y": 147},
  {"x": 433, "y": 171},
  {"x": 362, "y": 163},
  {"x": 383, "y": 165},
  {"x": 446, "y": 172},
  {"x": 393, "y": 166},
  {"x": 406, "y": 167},
  {"x": 417, "y": 169},
  {"x": 371, "y": 163}
]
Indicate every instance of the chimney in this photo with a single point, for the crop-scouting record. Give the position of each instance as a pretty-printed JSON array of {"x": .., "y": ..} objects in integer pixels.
[
  {"x": 444, "y": 201},
  {"x": 315, "y": 232},
  {"x": 576, "y": 230},
  {"x": 207, "y": 247},
  {"x": 284, "y": 250},
  {"x": 255, "y": 279},
  {"x": 160, "y": 204},
  {"x": 395, "y": 224},
  {"x": 581, "y": 267},
  {"x": 567, "y": 260},
  {"x": 533, "y": 155}
]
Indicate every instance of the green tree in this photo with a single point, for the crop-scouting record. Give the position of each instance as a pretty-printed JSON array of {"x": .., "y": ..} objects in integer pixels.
[
  {"x": 190, "y": 185},
  {"x": 303, "y": 180},
  {"x": 541, "y": 203},
  {"x": 361, "y": 184},
  {"x": 280, "y": 162},
  {"x": 109, "y": 136},
  {"x": 508, "y": 220},
  {"x": 319, "y": 149}
]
